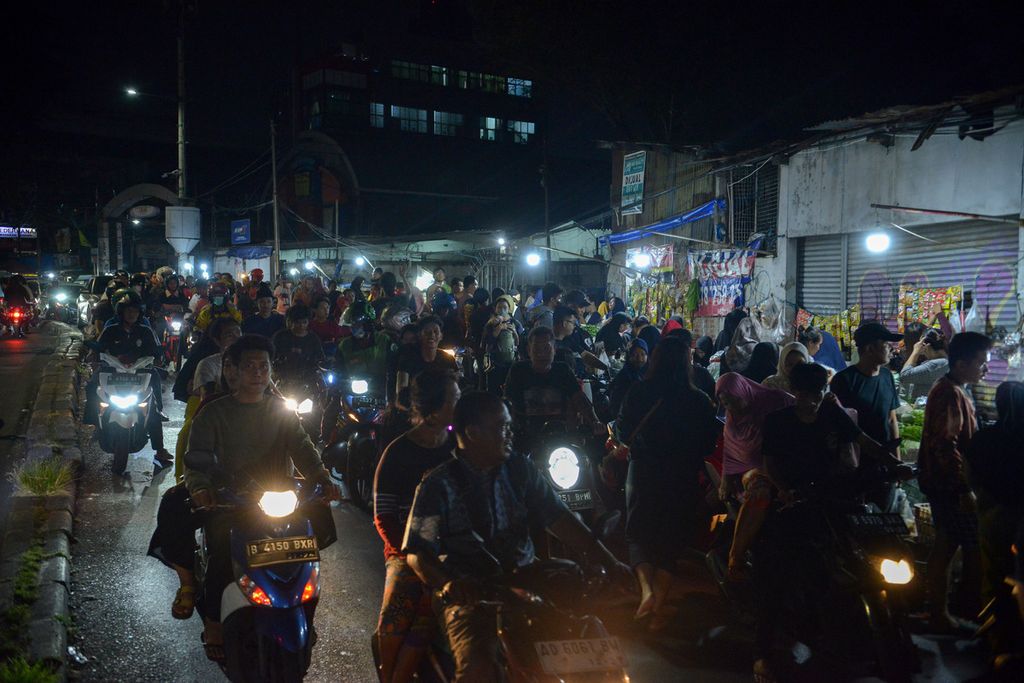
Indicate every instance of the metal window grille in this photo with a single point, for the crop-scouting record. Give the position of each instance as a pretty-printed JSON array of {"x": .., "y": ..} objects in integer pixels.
[
  {"x": 447, "y": 123},
  {"x": 754, "y": 203},
  {"x": 376, "y": 114},
  {"x": 409, "y": 119}
]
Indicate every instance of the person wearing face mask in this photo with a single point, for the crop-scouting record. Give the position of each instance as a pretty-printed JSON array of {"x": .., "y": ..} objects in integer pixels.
[
  {"x": 363, "y": 354},
  {"x": 219, "y": 307}
]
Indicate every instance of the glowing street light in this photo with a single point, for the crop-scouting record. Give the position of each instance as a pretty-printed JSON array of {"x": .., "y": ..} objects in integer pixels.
[
  {"x": 310, "y": 265},
  {"x": 131, "y": 92},
  {"x": 203, "y": 267},
  {"x": 533, "y": 259},
  {"x": 294, "y": 271},
  {"x": 186, "y": 266},
  {"x": 501, "y": 241},
  {"x": 360, "y": 261},
  {"x": 877, "y": 242},
  {"x": 135, "y": 221},
  {"x": 642, "y": 260}
]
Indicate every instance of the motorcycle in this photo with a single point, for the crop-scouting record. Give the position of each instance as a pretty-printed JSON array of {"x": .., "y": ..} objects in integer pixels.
[
  {"x": 545, "y": 632},
  {"x": 854, "y": 608},
  {"x": 173, "y": 340},
  {"x": 60, "y": 306},
  {"x": 267, "y": 611},
  {"x": 125, "y": 393},
  {"x": 353, "y": 449},
  {"x": 564, "y": 460},
  {"x": 304, "y": 395},
  {"x": 19, "y": 320}
]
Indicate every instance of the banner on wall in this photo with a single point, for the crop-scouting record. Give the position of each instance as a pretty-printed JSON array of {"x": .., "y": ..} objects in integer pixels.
[{"x": 722, "y": 276}]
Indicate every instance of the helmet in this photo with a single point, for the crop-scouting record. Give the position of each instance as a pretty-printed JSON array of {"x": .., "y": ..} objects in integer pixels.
[
  {"x": 396, "y": 316},
  {"x": 442, "y": 299},
  {"x": 218, "y": 289},
  {"x": 124, "y": 298},
  {"x": 164, "y": 272},
  {"x": 358, "y": 313},
  {"x": 256, "y": 275}
]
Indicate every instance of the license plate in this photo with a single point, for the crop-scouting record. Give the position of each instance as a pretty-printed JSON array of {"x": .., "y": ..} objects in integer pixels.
[
  {"x": 268, "y": 551},
  {"x": 577, "y": 500},
  {"x": 124, "y": 379},
  {"x": 368, "y": 402},
  {"x": 878, "y": 524},
  {"x": 578, "y": 656}
]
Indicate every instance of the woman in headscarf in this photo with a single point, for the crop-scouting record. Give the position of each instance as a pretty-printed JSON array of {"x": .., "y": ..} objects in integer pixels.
[
  {"x": 793, "y": 354},
  {"x": 612, "y": 333},
  {"x": 630, "y": 374},
  {"x": 764, "y": 361},
  {"x": 737, "y": 358},
  {"x": 746, "y": 404},
  {"x": 670, "y": 428},
  {"x": 732, "y": 321},
  {"x": 995, "y": 462}
]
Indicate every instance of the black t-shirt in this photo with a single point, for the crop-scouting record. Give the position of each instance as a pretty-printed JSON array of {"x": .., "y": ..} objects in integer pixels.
[
  {"x": 102, "y": 311},
  {"x": 296, "y": 356},
  {"x": 806, "y": 452},
  {"x": 874, "y": 398},
  {"x": 536, "y": 397},
  {"x": 410, "y": 361},
  {"x": 703, "y": 380}
]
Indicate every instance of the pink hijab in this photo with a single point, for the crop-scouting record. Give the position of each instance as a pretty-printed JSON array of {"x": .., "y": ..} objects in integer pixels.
[{"x": 742, "y": 443}]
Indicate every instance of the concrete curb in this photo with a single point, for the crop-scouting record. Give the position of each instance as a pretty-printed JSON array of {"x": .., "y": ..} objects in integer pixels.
[{"x": 52, "y": 430}]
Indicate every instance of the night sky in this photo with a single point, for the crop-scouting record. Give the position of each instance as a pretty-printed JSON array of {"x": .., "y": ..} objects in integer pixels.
[{"x": 733, "y": 75}]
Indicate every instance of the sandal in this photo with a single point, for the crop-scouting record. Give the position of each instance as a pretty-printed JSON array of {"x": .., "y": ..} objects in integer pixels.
[
  {"x": 214, "y": 651},
  {"x": 184, "y": 602}
]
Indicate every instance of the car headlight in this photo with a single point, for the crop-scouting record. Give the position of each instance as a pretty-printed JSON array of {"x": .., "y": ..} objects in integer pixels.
[
  {"x": 306, "y": 407},
  {"x": 279, "y": 503},
  {"x": 564, "y": 467},
  {"x": 176, "y": 325},
  {"x": 124, "y": 402},
  {"x": 360, "y": 386},
  {"x": 896, "y": 572},
  {"x": 60, "y": 296}
]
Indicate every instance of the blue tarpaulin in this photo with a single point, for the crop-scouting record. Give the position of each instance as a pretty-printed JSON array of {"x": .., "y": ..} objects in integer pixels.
[
  {"x": 691, "y": 216},
  {"x": 250, "y": 252}
]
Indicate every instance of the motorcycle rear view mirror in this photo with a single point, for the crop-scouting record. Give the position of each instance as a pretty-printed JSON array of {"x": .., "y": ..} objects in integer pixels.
[{"x": 201, "y": 461}]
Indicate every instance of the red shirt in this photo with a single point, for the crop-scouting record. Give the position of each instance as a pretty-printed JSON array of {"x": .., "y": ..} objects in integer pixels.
[
  {"x": 949, "y": 425},
  {"x": 329, "y": 330}
]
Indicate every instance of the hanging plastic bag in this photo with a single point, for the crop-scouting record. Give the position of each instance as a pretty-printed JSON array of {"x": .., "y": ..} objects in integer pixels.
[
  {"x": 973, "y": 321},
  {"x": 769, "y": 323}
]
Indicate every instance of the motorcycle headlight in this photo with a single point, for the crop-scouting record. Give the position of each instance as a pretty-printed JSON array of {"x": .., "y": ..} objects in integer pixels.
[
  {"x": 360, "y": 386},
  {"x": 279, "y": 503},
  {"x": 124, "y": 402},
  {"x": 897, "y": 572},
  {"x": 291, "y": 404},
  {"x": 60, "y": 296},
  {"x": 306, "y": 407},
  {"x": 176, "y": 325},
  {"x": 564, "y": 467},
  {"x": 330, "y": 378}
]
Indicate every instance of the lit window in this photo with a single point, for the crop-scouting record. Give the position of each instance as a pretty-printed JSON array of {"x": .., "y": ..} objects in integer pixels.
[
  {"x": 376, "y": 114},
  {"x": 409, "y": 119},
  {"x": 521, "y": 131},
  {"x": 439, "y": 75},
  {"x": 489, "y": 128},
  {"x": 446, "y": 123},
  {"x": 520, "y": 87}
]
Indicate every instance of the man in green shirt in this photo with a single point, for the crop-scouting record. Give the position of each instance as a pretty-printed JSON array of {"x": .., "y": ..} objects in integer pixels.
[{"x": 258, "y": 443}]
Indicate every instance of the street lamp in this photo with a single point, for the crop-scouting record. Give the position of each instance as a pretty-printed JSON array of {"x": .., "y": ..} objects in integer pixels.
[
  {"x": 501, "y": 241},
  {"x": 310, "y": 265},
  {"x": 294, "y": 271},
  {"x": 136, "y": 221},
  {"x": 360, "y": 261},
  {"x": 131, "y": 92},
  {"x": 877, "y": 242},
  {"x": 533, "y": 259}
]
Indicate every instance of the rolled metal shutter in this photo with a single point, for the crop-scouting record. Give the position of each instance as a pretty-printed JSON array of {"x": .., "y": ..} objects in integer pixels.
[
  {"x": 819, "y": 274},
  {"x": 982, "y": 256}
]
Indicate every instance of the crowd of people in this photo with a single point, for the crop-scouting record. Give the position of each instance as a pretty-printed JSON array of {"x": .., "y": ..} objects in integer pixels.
[{"x": 477, "y": 373}]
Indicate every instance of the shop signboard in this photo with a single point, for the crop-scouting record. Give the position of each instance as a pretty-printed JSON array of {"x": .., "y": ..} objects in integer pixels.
[
  {"x": 240, "y": 231},
  {"x": 633, "y": 168},
  {"x": 722, "y": 276},
  {"x": 9, "y": 232}
]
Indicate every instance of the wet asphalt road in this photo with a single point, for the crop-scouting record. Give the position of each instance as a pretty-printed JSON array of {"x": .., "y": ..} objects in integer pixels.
[
  {"x": 21, "y": 367},
  {"x": 122, "y": 600}
]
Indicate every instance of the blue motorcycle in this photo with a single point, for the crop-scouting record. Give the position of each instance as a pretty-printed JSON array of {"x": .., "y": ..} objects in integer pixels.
[{"x": 267, "y": 611}]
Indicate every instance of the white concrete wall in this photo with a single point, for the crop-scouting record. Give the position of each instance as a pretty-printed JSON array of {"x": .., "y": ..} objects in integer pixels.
[
  {"x": 576, "y": 240},
  {"x": 830, "y": 190}
]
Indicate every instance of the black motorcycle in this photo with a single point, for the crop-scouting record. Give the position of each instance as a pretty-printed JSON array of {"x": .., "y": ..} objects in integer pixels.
[
  {"x": 855, "y": 584},
  {"x": 353, "y": 449}
]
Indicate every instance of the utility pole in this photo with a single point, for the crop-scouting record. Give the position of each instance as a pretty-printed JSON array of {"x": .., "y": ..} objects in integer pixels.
[
  {"x": 181, "y": 101},
  {"x": 547, "y": 214},
  {"x": 275, "y": 261}
]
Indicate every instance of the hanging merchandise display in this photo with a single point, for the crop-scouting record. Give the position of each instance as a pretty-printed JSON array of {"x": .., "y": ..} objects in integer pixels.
[
  {"x": 841, "y": 325},
  {"x": 803, "y": 319},
  {"x": 918, "y": 305},
  {"x": 722, "y": 276},
  {"x": 655, "y": 301}
]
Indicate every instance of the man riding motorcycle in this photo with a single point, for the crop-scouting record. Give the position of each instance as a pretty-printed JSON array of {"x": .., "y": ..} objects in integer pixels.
[
  {"x": 298, "y": 352},
  {"x": 484, "y": 500},
  {"x": 129, "y": 340},
  {"x": 541, "y": 390},
  {"x": 219, "y": 307},
  {"x": 256, "y": 439}
]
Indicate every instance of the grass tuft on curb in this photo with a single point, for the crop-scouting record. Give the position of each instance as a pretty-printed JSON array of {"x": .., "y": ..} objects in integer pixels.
[
  {"x": 20, "y": 670},
  {"x": 43, "y": 477}
]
